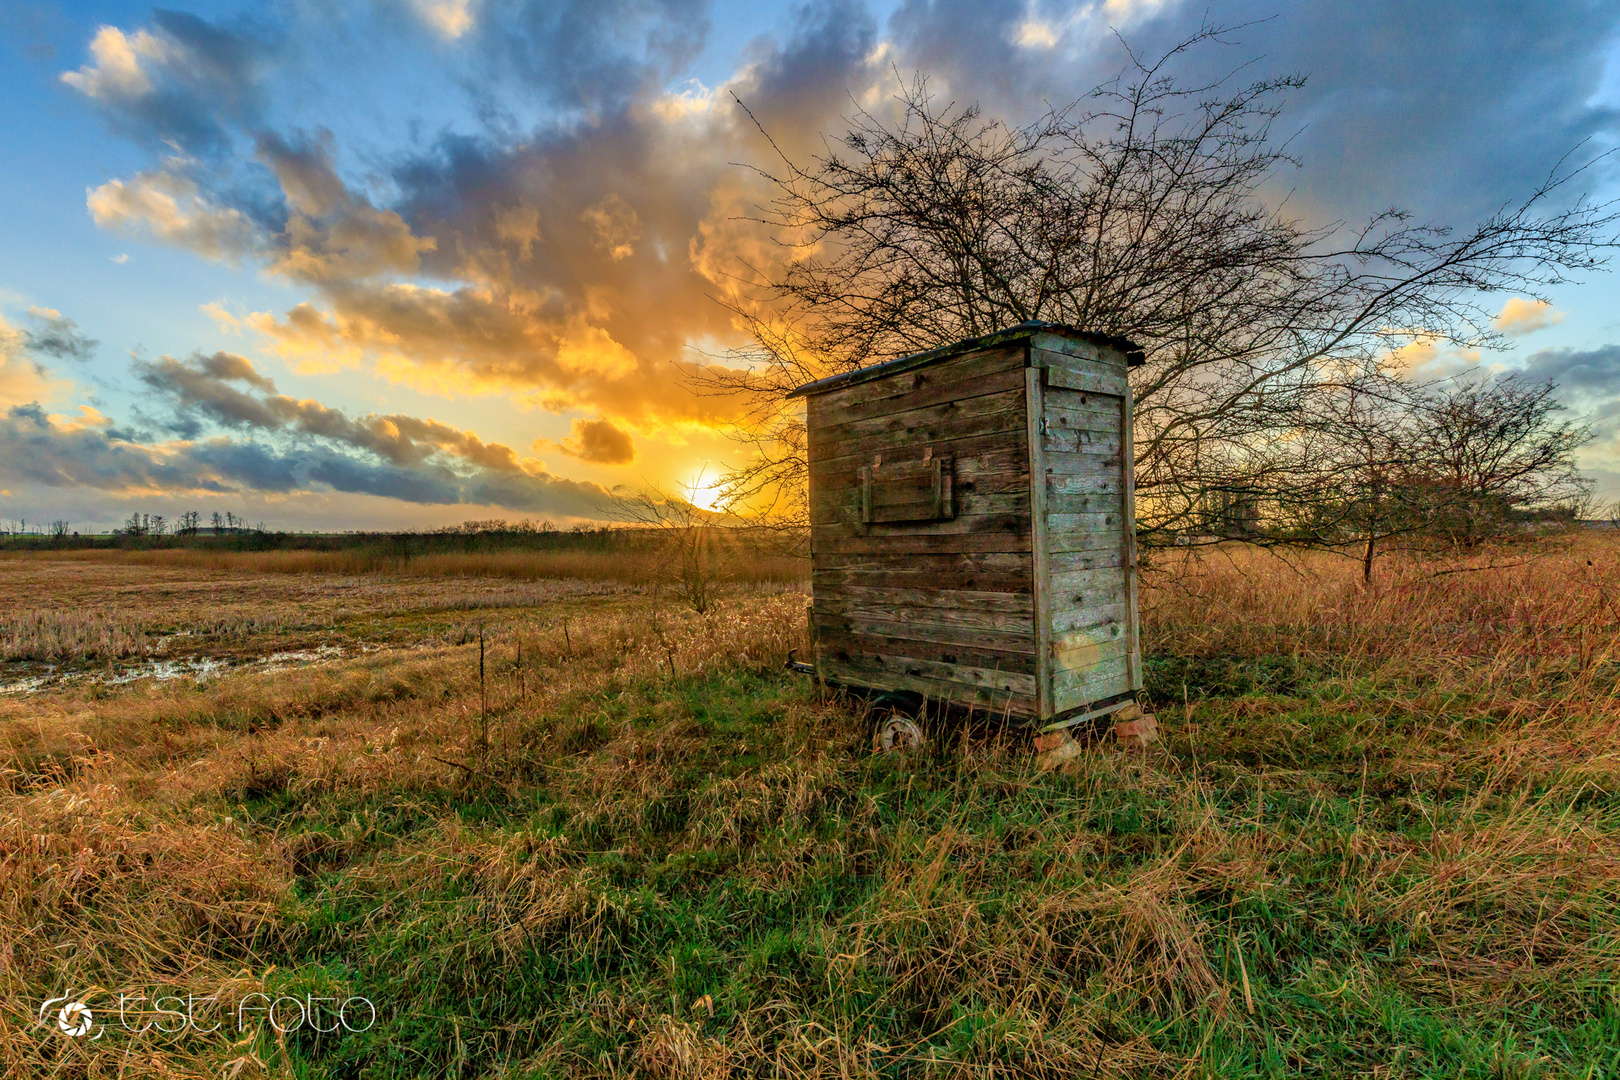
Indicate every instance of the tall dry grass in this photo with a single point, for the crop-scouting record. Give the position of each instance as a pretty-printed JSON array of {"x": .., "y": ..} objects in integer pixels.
[
  {"x": 58, "y": 635},
  {"x": 658, "y": 858},
  {"x": 1548, "y": 610},
  {"x": 739, "y": 565}
]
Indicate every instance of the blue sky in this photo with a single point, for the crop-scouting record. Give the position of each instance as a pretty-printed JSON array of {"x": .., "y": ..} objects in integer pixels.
[{"x": 461, "y": 248}]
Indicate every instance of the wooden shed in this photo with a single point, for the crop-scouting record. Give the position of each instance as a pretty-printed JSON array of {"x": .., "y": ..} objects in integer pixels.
[{"x": 972, "y": 525}]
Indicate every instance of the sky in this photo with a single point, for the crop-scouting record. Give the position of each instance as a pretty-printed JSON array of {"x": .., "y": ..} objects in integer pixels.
[{"x": 366, "y": 264}]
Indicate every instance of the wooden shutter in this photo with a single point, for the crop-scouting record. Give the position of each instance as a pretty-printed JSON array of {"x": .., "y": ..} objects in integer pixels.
[{"x": 903, "y": 491}]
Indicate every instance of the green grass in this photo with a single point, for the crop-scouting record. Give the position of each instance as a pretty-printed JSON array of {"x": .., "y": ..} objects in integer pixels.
[{"x": 720, "y": 856}]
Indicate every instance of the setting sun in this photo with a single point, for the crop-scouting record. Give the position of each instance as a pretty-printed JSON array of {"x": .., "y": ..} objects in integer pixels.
[{"x": 705, "y": 492}]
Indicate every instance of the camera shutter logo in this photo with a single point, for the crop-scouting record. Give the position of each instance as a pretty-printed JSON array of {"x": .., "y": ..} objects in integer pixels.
[{"x": 73, "y": 1019}]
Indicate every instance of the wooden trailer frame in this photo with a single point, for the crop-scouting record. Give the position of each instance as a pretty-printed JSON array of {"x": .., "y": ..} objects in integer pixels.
[{"x": 973, "y": 532}]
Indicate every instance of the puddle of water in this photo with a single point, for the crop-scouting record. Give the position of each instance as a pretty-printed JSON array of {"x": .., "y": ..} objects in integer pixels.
[
  {"x": 301, "y": 657},
  {"x": 200, "y": 668}
]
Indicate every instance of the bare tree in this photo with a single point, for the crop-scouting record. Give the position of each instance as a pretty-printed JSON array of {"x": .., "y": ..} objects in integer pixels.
[
  {"x": 59, "y": 529},
  {"x": 1493, "y": 455},
  {"x": 690, "y": 545},
  {"x": 1141, "y": 211},
  {"x": 1457, "y": 461}
]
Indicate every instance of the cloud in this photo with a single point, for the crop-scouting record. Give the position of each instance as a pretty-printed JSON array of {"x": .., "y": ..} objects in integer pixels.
[
  {"x": 593, "y": 56},
  {"x": 172, "y": 208},
  {"x": 332, "y": 234},
  {"x": 56, "y": 335},
  {"x": 616, "y": 226},
  {"x": 450, "y": 18},
  {"x": 117, "y": 71},
  {"x": 597, "y": 441},
  {"x": 1449, "y": 109},
  {"x": 1520, "y": 316},
  {"x": 208, "y": 389},
  {"x": 22, "y": 378},
  {"x": 394, "y": 455},
  {"x": 55, "y": 452},
  {"x": 1426, "y": 360},
  {"x": 1590, "y": 372},
  {"x": 563, "y": 241},
  {"x": 183, "y": 82}
]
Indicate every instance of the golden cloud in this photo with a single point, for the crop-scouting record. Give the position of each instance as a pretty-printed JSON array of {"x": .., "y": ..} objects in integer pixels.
[
  {"x": 1520, "y": 316},
  {"x": 22, "y": 379},
  {"x": 596, "y": 441},
  {"x": 117, "y": 71},
  {"x": 171, "y": 208},
  {"x": 451, "y": 18},
  {"x": 569, "y": 271},
  {"x": 616, "y": 226}
]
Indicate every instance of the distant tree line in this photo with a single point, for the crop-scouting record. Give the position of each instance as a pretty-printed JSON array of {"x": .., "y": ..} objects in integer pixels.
[
  {"x": 231, "y": 532},
  {"x": 189, "y": 523}
]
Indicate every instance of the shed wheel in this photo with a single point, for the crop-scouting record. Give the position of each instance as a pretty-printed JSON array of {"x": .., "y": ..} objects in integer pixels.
[{"x": 896, "y": 732}]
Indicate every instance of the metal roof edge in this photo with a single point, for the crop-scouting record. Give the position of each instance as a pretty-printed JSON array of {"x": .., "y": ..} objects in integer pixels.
[{"x": 1133, "y": 354}]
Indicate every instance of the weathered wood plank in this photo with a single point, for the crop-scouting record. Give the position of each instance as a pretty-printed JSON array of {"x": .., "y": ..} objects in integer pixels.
[
  {"x": 1108, "y": 503},
  {"x": 1088, "y": 588},
  {"x": 1075, "y": 688},
  {"x": 1010, "y": 525},
  {"x": 1095, "y": 427},
  {"x": 1102, "y": 620},
  {"x": 888, "y": 540},
  {"x": 896, "y": 617},
  {"x": 1089, "y": 382},
  {"x": 1067, "y": 464},
  {"x": 1105, "y": 522},
  {"x": 907, "y": 428},
  {"x": 833, "y": 580},
  {"x": 1018, "y": 638},
  {"x": 1128, "y": 476},
  {"x": 1060, "y": 440},
  {"x": 1004, "y": 468},
  {"x": 1018, "y": 683},
  {"x": 1092, "y": 412},
  {"x": 1046, "y": 350},
  {"x": 839, "y": 643},
  {"x": 1103, "y": 597},
  {"x": 973, "y": 375},
  {"x": 1089, "y": 482},
  {"x": 995, "y": 702},
  {"x": 889, "y": 562},
  {"x": 1012, "y": 603},
  {"x": 844, "y": 508},
  {"x": 1081, "y": 651},
  {"x": 1034, "y": 397},
  {"x": 909, "y": 491},
  {"x": 1084, "y": 542},
  {"x": 1067, "y": 561},
  {"x": 1004, "y": 437}
]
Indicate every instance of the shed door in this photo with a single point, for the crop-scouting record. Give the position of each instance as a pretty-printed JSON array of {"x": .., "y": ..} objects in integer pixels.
[{"x": 1090, "y": 539}]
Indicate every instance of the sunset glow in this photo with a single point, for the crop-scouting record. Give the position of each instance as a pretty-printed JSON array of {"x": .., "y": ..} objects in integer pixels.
[{"x": 290, "y": 288}]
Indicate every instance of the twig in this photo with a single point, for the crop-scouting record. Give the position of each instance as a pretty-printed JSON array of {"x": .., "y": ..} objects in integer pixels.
[
  {"x": 462, "y": 765},
  {"x": 483, "y": 699},
  {"x": 1476, "y": 569}
]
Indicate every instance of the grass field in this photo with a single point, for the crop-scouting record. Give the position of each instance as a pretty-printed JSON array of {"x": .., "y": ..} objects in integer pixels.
[{"x": 1381, "y": 835}]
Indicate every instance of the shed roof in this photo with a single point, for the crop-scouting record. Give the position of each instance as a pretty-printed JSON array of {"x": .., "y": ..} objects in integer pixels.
[{"x": 1133, "y": 354}]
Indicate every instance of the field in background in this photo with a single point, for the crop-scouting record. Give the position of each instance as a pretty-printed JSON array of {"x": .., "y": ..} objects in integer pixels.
[
  {"x": 622, "y": 556},
  {"x": 1381, "y": 836}
]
